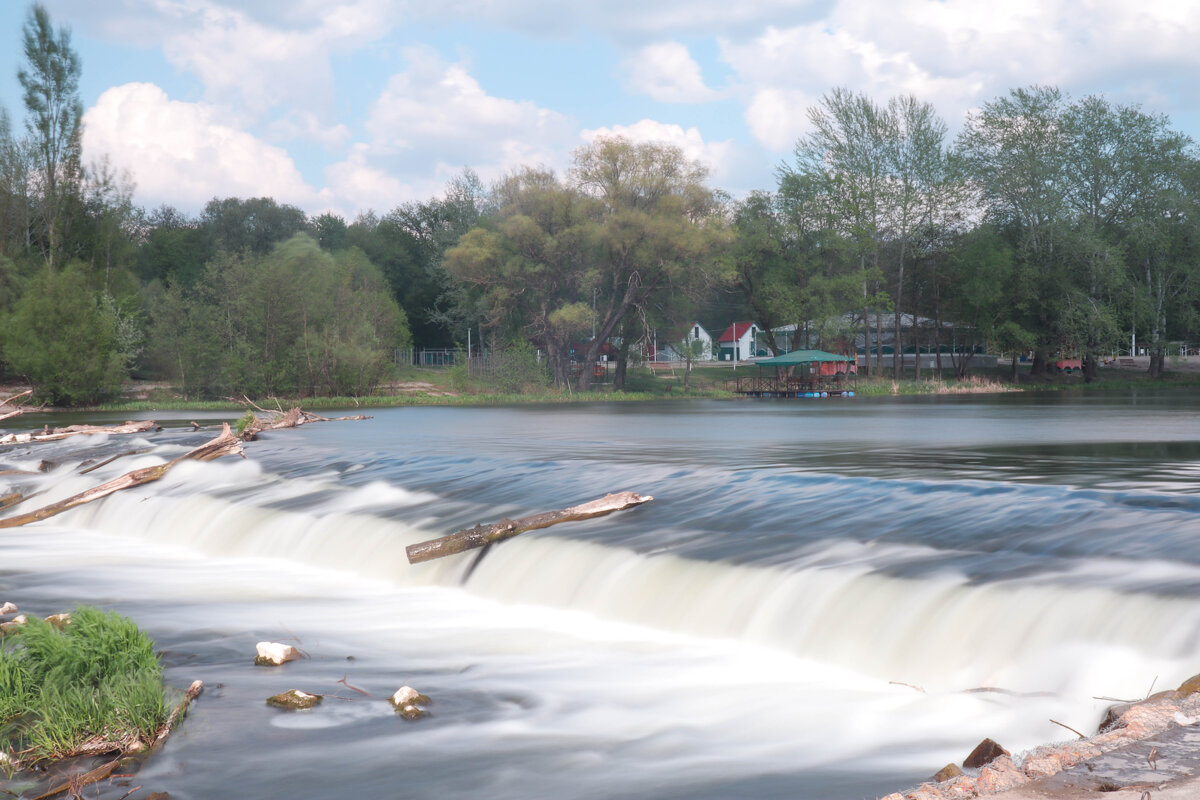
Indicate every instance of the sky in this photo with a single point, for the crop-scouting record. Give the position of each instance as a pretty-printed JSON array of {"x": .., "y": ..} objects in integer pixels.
[{"x": 356, "y": 105}]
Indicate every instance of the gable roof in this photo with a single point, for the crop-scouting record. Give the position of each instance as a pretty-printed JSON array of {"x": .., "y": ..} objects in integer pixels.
[{"x": 736, "y": 331}]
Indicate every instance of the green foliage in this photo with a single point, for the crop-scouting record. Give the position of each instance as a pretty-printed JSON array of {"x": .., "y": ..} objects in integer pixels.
[
  {"x": 96, "y": 676},
  {"x": 245, "y": 421},
  {"x": 63, "y": 338},
  {"x": 298, "y": 321},
  {"x": 519, "y": 370}
]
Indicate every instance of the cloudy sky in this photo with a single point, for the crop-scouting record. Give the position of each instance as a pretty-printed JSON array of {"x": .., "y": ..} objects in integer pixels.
[{"x": 349, "y": 105}]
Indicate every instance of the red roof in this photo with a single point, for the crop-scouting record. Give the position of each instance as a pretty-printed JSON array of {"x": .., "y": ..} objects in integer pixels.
[{"x": 735, "y": 331}]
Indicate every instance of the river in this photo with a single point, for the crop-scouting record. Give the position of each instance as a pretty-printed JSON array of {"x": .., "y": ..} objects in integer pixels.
[{"x": 803, "y": 611}]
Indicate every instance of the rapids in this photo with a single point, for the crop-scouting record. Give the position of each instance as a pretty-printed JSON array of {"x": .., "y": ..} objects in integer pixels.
[{"x": 804, "y": 610}]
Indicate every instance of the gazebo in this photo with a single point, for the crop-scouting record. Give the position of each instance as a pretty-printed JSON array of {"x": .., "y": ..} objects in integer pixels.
[{"x": 801, "y": 373}]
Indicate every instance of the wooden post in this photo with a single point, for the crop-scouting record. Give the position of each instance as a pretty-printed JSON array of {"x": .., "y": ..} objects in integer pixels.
[{"x": 481, "y": 535}]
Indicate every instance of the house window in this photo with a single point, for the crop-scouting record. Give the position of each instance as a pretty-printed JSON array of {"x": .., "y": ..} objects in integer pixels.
[{"x": 696, "y": 332}]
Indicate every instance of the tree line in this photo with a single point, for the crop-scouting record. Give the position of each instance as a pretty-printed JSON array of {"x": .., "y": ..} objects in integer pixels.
[{"x": 1048, "y": 225}]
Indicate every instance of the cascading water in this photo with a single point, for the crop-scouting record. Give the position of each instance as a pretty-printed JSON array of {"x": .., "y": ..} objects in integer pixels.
[{"x": 809, "y": 608}]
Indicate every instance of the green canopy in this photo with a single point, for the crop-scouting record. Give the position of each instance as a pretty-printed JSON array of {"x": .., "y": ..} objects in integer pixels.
[{"x": 801, "y": 357}]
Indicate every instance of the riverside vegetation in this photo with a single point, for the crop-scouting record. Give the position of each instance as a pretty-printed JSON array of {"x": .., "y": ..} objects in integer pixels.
[
  {"x": 1051, "y": 225},
  {"x": 84, "y": 683}
]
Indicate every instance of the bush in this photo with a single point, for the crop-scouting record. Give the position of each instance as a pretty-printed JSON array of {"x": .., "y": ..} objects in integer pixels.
[{"x": 64, "y": 340}]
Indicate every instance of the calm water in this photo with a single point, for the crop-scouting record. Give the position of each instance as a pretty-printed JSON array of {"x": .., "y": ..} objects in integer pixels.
[{"x": 802, "y": 612}]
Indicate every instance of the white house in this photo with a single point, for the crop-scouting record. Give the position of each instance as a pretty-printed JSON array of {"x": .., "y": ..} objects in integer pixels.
[
  {"x": 695, "y": 333},
  {"x": 739, "y": 341}
]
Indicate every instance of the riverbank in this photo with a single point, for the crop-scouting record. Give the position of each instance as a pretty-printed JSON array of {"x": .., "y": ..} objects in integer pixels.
[
  {"x": 425, "y": 386},
  {"x": 1150, "y": 746}
]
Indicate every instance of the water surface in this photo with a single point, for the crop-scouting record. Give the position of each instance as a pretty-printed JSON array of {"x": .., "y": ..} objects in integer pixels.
[{"x": 804, "y": 611}]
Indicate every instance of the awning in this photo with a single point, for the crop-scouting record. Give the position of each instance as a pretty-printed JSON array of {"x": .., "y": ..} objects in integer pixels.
[{"x": 801, "y": 357}]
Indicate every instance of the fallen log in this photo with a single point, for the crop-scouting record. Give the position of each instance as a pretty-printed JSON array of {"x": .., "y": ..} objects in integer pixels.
[
  {"x": 225, "y": 444},
  {"x": 482, "y": 535},
  {"x": 180, "y": 709},
  {"x": 293, "y": 418},
  {"x": 49, "y": 434}
]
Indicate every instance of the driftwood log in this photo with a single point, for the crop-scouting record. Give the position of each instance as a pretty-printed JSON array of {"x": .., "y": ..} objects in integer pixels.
[
  {"x": 225, "y": 444},
  {"x": 482, "y": 535},
  {"x": 49, "y": 434},
  {"x": 293, "y": 418},
  {"x": 15, "y": 411}
]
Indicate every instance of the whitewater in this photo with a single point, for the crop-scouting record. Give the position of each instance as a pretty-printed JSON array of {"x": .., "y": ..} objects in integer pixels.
[{"x": 826, "y": 599}]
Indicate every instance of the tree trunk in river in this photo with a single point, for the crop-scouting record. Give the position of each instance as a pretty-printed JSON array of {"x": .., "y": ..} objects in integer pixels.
[{"x": 481, "y": 535}]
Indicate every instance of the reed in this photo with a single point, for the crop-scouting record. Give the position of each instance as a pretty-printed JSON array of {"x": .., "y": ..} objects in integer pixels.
[{"x": 95, "y": 679}]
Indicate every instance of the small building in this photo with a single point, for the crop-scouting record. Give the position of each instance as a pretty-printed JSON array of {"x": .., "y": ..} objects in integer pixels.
[
  {"x": 695, "y": 332},
  {"x": 801, "y": 373},
  {"x": 739, "y": 342}
]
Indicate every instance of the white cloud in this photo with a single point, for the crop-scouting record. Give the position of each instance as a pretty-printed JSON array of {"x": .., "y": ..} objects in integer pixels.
[
  {"x": 430, "y": 122},
  {"x": 667, "y": 72},
  {"x": 255, "y": 56},
  {"x": 957, "y": 54},
  {"x": 183, "y": 154}
]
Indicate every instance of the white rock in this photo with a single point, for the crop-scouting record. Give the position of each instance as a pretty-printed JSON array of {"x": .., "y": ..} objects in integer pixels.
[
  {"x": 275, "y": 653},
  {"x": 8, "y": 608},
  {"x": 15, "y": 622},
  {"x": 405, "y": 695}
]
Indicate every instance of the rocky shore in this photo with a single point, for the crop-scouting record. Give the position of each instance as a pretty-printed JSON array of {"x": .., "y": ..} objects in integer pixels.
[{"x": 1142, "y": 747}]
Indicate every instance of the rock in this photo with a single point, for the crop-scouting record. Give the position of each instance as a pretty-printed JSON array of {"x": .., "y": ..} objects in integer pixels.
[
  {"x": 947, "y": 773},
  {"x": 272, "y": 654},
  {"x": 160, "y": 796},
  {"x": 8, "y": 608},
  {"x": 999, "y": 776},
  {"x": 406, "y": 700},
  {"x": 1043, "y": 766},
  {"x": 960, "y": 788},
  {"x": 59, "y": 621},
  {"x": 12, "y": 625},
  {"x": 984, "y": 753},
  {"x": 294, "y": 700},
  {"x": 1190, "y": 686},
  {"x": 406, "y": 695}
]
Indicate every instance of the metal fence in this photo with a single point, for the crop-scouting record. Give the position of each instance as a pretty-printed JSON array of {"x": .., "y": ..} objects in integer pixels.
[{"x": 427, "y": 357}]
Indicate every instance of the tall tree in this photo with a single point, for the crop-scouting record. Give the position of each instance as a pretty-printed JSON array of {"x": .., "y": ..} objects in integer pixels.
[
  {"x": 1014, "y": 149},
  {"x": 1125, "y": 180},
  {"x": 50, "y": 80},
  {"x": 659, "y": 229},
  {"x": 532, "y": 263},
  {"x": 917, "y": 195}
]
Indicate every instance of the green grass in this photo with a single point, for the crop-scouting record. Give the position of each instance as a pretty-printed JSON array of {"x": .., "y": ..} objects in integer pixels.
[
  {"x": 96, "y": 677},
  {"x": 447, "y": 388}
]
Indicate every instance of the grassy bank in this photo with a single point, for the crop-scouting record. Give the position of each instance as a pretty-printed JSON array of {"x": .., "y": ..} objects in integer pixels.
[{"x": 416, "y": 386}]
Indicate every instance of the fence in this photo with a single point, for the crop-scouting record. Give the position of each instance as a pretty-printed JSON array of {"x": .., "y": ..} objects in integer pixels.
[{"x": 426, "y": 357}]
